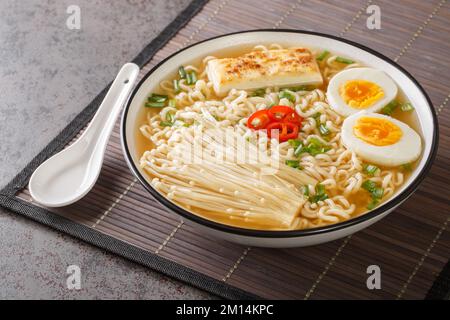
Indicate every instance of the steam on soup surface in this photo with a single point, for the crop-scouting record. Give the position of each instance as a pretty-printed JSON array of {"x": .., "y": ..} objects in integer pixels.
[{"x": 289, "y": 138}]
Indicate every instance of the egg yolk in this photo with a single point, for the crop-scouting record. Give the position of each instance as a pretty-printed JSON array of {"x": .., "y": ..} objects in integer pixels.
[
  {"x": 361, "y": 94},
  {"x": 376, "y": 131}
]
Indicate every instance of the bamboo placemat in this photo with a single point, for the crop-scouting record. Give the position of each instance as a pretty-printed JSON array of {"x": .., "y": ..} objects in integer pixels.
[{"x": 411, "y": 246}]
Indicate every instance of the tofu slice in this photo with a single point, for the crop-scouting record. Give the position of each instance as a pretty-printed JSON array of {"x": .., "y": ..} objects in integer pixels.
[{"x": 260, "y": 69}]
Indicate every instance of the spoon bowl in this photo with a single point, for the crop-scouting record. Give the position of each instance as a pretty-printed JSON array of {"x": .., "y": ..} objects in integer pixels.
[{"x": 70, "y": 174}]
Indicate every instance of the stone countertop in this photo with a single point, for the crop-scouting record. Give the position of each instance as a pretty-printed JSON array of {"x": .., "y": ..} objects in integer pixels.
[{"x": 48, "y": 74}]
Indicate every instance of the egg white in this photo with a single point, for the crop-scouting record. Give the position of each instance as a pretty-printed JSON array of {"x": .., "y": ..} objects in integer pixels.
[
  {"x": 373, "y": 75},
  {"x": 406, "y": 150}
]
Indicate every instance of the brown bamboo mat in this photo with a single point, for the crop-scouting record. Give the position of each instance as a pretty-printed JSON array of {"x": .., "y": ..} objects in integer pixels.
[{"x": 411, "y": 245}]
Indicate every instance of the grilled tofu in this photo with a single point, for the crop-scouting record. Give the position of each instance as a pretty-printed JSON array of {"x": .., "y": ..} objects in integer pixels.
[{"x": 259, "y": 69}]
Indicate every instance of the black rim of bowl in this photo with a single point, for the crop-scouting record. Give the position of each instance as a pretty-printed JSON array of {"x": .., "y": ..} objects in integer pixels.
[{"x": 413, "y": 185}]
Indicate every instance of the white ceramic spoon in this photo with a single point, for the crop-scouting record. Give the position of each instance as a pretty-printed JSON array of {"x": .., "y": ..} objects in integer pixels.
[{"x": 70, "y": 174}]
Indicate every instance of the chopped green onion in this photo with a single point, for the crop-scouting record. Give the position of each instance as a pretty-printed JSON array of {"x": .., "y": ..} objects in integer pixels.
[
  {"x": 377, "y": 193},
  {"x": 176, "y": 86},
  {"x": 320, "y": 194},
  {"x": 166, "y": 124},
  {"x": 155, "y": 104},
  {"x": 294, "y": 143},
  {"x": 324, "y": 130},
  {"x": 370, "y": 169},
  {"x": 318, "y": 197},
  {"x": 344, "y": 60},
  {"x": 173, "y": 103},
  {"x": 323, "y": 55},
  {"x": 191, "y": 77},
  {"x": 406, "y": 167},
  {"x": 306, "y": 190},
  {"x": 369, "y": 185},
  {"x": 316, "y": 116},
  {"x": 299, "y": 150},
  {"x": 157, "y": 97},
  {"x": 320, "y": 188},
  {"x": 287, "y": 95},
  {"x": 372, "y": 204},
  {"x": 389, "y": 108},
  {"x": 169, "y": 117},
  {"x": 182, "y": 72},
  {"x": 407, "y": 107},
  {"x": 258, "y": 93},
  {"x": 293, "y": 164},
  {"x": 315, "y": 147}
]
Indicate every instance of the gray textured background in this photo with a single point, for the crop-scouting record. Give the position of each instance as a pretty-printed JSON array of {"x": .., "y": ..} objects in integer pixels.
[{"x": 48, "y": 74}]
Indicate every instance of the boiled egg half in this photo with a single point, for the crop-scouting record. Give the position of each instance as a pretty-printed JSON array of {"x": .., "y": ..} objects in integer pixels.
[
  {"x": 380, "y": 139},
  {"x": 353, "y": 90}
]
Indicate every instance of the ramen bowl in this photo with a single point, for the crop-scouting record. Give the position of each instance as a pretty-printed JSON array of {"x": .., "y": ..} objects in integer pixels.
[{"x": 426, "y": 125}]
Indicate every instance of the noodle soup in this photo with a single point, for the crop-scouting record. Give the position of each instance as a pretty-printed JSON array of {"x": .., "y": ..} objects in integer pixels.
[{"x": 337, "y": 144}]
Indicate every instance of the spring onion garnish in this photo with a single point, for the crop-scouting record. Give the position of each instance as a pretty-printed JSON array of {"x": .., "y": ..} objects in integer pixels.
[
  {"x": 157, "y": 97},
  {"x": 191, "y": 77},
  {"x": 389, "y": 108},
  {"x": 258, "y": 93},
  {"x": 156, "y": 100},
  {"x": 406, "y": 167},
  {"x": 182, "y": 72},
  {"x": 298, "y": 147},
  {"x": 320, "y": 194},
  {"x": 169, "y": 117},
  {"x": 316, "y": 116},
  {"x": 287, "y": 95},
  {"x": 165, "y": 124},
  {"x": 344, "y": 60},
  {"x": 370, "y": 169},
  {"x": 315, "y": 147},
  {"x": 323, "y": 55},
  {"x": 306, "y": 191},
  {"x": 293, "y": 164},
  {"x": 376, "y": 193},
  {"x": 294, "y": 143},
  {"x": 407, "y": 107},
  {"x": 173, "y": 103},
  {"x": 176, "y": 86},
  {"x": 372, "y": 204},
  {"x": 299, "y": 150},
  {"x": 369, "y": 185},
  {"x": 169, "y": 120},
  {"x": 155, "y": 104},
  {"x": 324, "y": 130}
]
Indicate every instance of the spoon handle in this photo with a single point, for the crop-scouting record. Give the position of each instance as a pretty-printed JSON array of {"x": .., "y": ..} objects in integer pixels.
[{"x": 105, "y": 118}]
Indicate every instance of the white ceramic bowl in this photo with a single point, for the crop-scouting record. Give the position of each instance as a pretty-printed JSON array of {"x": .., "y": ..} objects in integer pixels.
[{"x": 296, "y": 238}]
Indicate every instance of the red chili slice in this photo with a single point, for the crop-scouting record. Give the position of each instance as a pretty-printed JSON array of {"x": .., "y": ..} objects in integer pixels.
[
  {"x": 259, "y": 120},
  {"x": 285, "y": 114},
  {"x": 286, "y": 130},
  {"x": 278, "y": 113},
  {"x": 293, "y": 118}
]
